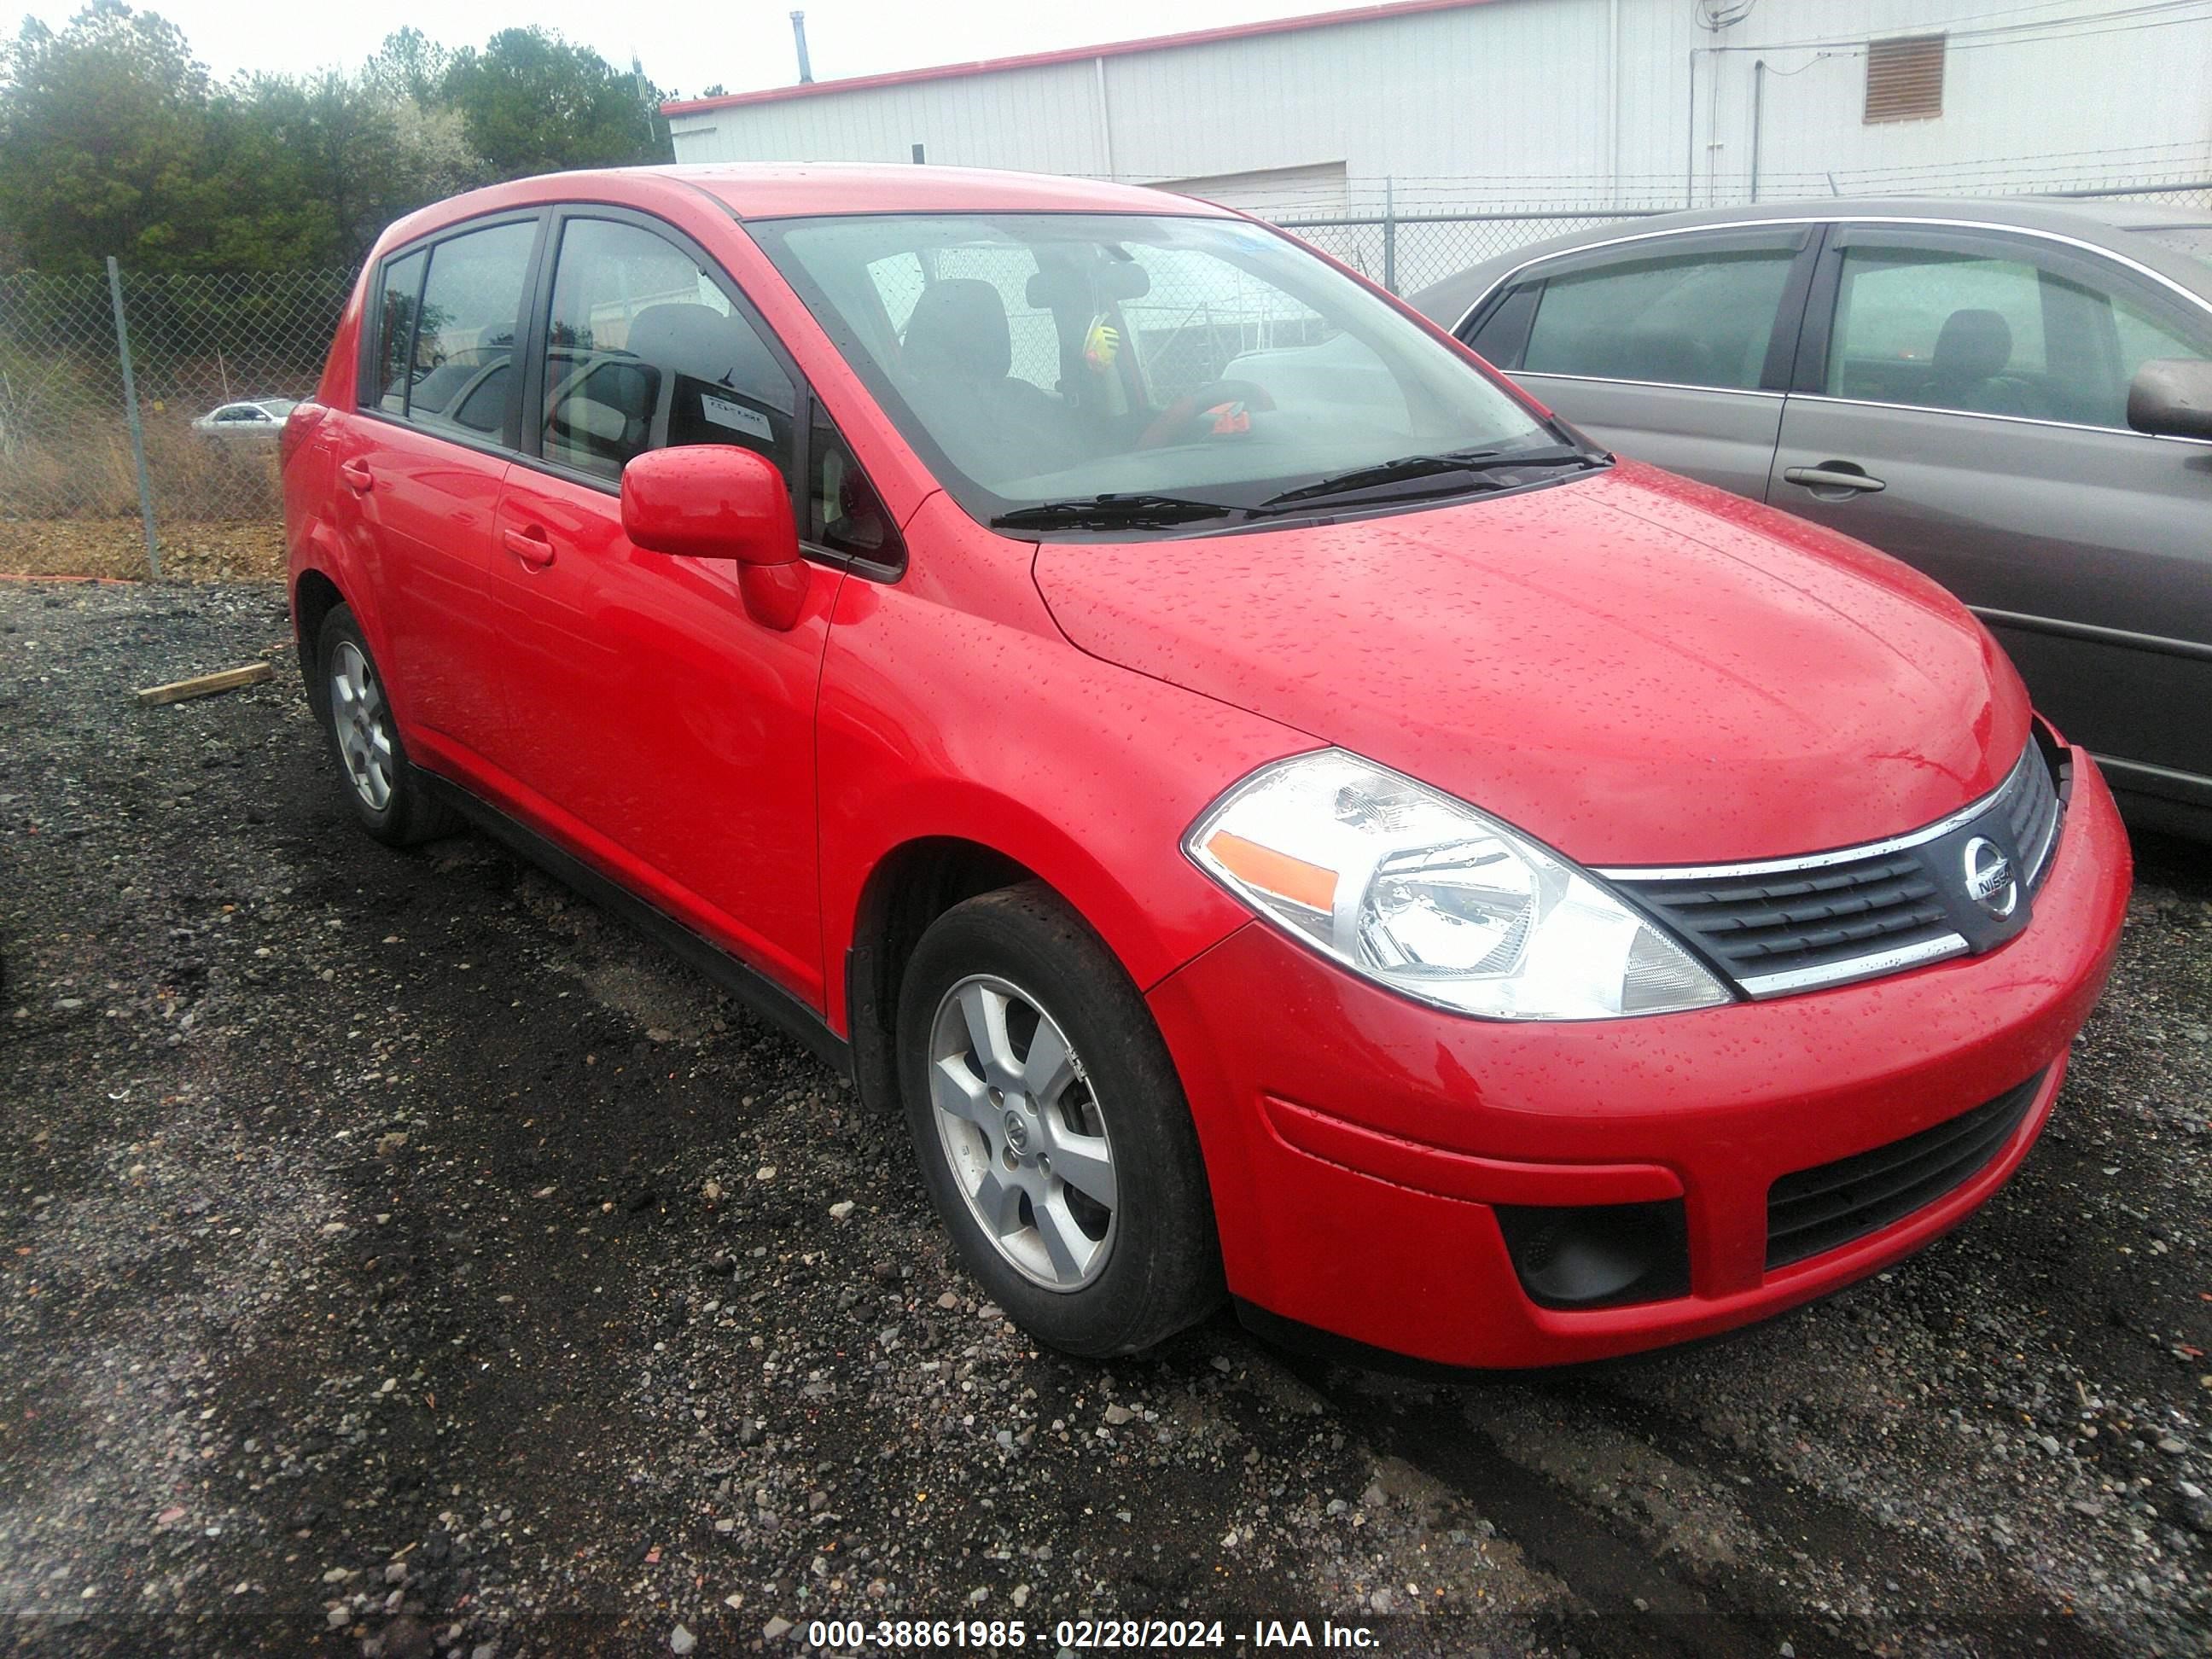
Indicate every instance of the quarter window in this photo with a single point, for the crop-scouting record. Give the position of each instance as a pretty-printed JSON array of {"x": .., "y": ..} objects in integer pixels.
[
  {"x": 1702, "y": 319},
  {"x": 401, "y": 300},
  {"x": 844, "y": 513},
  {"x": 465, "y": 338},
  {"x": 645, "y": 351}
]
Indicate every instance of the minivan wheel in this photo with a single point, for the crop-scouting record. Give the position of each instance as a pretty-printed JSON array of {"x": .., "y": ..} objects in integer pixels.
[
  {"x": 387, "y": 795},
  {"x": 1051, "y": 1128}
]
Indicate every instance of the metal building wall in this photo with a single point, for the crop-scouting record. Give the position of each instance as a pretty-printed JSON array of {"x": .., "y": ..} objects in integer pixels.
[{"x": 1550, "y": 101}]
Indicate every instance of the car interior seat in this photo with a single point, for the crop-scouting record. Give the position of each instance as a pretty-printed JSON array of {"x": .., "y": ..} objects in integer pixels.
[
  {"x": 1968, "y": 370},
  {"x": 712, "y": 372},
  {"x": 959, "y": 350}
]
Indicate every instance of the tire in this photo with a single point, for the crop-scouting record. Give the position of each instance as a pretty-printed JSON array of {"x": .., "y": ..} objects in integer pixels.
[
  {"x": 388, "y": 797},
  {"x": 1088, "y": 1277}
]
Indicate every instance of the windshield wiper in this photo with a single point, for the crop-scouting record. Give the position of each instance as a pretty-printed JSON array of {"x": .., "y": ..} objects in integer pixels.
[
  {"x": 1112, "y": 512},
  {"x": 1405, "y": 468}
]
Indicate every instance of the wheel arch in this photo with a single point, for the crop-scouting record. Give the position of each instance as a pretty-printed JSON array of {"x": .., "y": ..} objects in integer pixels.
[
  {"x": 314, "y": 596},
  {"x": 912, "y": 885}
]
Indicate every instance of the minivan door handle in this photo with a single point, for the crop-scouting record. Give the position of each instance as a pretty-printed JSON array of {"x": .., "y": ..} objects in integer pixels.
[
  {"x": 532, "y": 546},
  {"x": 356, "y": 476},
  {"x": 1834, "y": 475}
]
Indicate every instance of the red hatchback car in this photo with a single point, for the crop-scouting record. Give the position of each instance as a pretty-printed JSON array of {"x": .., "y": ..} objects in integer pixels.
[{"x": 1279, "y": 813}]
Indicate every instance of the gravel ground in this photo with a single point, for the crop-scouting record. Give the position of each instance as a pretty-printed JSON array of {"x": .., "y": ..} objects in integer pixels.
[{"x": 403, "y": 1258}]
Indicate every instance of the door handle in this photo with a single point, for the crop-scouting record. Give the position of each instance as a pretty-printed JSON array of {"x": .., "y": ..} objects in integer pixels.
[
  {"x": 1834, "y": 475},
  {"x": 356, "y": 477},
  {"x": 531, "y": 545}
]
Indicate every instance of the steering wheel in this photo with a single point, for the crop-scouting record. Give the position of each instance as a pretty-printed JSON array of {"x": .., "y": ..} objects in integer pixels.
[{"x": 1219, "y": 409}]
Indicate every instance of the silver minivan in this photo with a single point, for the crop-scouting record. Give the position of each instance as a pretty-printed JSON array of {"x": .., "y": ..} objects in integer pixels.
[{"x": 2013, "y": 396}]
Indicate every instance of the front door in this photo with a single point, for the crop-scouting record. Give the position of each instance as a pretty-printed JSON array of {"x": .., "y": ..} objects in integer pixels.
[
  {"x": 659, "y": 729},
  {"x": 1965, "y": 410}
]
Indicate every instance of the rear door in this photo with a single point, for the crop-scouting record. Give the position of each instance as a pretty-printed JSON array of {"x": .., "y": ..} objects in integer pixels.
[
  {"x": 1962, "y": 406},
  {"x": 662, "y": 731},
  {"x": 1673, "y": 349},
  {"x": 422, "y": 463}
]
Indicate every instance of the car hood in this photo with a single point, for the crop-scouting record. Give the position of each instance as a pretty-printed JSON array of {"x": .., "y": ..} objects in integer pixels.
[{"x": 1632, "y": 667}]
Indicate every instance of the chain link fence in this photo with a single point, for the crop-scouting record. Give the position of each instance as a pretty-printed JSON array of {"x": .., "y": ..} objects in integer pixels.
[{"x": 214, "y": 357}]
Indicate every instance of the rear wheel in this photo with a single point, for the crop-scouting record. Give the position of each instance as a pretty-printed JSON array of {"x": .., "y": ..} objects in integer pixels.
[
  {"x": 1051, "y": 1128},
  {"x": 388, "y": 796}
]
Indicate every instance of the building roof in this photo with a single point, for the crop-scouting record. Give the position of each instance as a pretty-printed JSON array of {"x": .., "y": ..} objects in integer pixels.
[{"x": 1069, "y": 55}]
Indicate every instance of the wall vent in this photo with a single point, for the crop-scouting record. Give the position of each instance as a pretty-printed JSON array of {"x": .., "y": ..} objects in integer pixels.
[{"x": 1904, "y": 79}]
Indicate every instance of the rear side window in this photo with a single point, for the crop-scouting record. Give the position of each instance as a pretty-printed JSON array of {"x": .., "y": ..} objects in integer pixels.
[
  {"x": 1701, "y": 318},
  {"x": 398, "y": 305},
  {"x": 465, "y": 335},
  {"x": 645, "y": 351}
]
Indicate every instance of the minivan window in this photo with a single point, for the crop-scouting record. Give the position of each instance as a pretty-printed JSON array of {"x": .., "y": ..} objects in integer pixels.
[
  {"x": 645, "y": 351},
  {"x": 465, "y": 339},
  {"x": 1700, "y": 319},
  {"x": 1046, "y": 358}
]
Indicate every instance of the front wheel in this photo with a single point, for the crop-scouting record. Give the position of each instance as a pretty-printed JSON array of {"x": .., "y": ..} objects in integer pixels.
[{"x": 1051, "y": 1128}]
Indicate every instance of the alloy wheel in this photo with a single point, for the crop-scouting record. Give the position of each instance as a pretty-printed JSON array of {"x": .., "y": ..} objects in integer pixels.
[
  {"x": 1023, "y": 1133},
  {"x": 362, "y": 722}
]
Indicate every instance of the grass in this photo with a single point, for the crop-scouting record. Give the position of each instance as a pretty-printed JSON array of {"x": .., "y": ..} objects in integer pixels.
[{"x": 69, "y": 506}]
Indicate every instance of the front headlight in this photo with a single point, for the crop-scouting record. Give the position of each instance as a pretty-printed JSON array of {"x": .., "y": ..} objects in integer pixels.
[{"x": 1409, "y": 887}]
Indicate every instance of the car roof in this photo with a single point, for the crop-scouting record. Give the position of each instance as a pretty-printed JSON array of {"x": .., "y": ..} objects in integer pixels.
[
  {"x": 2112, "y": 224},
  {"x": 786, "y": 190}
]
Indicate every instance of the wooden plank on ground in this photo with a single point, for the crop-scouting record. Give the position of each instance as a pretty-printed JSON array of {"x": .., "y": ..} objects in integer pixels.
[{"x": 206, "y": 685}]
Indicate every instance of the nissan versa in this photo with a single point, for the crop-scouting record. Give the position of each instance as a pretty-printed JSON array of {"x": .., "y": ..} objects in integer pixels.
[{"x": 1279, "y": 813}]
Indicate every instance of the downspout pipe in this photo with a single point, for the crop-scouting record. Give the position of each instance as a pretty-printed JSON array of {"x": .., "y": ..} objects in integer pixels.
[
  {"x": 1758, "y": 109},
  {"x": 1690, "y": 148}
]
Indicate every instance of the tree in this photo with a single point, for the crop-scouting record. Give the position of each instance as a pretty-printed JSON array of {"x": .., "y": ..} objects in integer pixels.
[
  {"x": 532, "y": 102},
  {"x": 103, "y": 143},
  {"x": 409, "y": 67}
]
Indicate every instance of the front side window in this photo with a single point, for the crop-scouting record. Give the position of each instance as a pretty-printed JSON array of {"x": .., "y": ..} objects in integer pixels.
[
  {"x": 1684, "y": 318},
  {"x": 1040, "y": 360},
  {"x": 645, "y": 351},
  {"x": 465, "y": 338},
  {"x": 1990, "y": 334}
]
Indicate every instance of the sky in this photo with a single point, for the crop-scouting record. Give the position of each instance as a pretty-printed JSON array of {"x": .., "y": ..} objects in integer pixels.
[{"x": 687, "y": 45}]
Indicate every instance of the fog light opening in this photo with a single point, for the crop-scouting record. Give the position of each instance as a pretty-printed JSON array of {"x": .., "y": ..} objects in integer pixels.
[{"x": 1597, "y": 1256}]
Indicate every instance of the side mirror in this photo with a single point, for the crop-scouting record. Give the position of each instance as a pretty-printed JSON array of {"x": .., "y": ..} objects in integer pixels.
[
  {"x": 717, "y": 501},
  {"x": 2172, "y": 397}
]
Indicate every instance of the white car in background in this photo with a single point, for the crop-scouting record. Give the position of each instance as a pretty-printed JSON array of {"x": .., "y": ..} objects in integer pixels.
[{"x": 256, "y": 422}]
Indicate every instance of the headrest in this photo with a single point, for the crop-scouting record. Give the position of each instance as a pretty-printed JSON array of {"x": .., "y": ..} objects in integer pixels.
[
  {"x": 697, "y": 339},
  {"x": 1973, "y": 346},
  {"x": 960, "y": 324}
]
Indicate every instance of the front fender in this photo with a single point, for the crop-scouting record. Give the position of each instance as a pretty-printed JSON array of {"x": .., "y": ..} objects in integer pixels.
[{"x": 936, "y": 721}]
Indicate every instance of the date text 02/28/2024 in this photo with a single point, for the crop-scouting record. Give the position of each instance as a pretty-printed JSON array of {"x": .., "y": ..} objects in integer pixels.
[{"x": 1080, "y": 1635}]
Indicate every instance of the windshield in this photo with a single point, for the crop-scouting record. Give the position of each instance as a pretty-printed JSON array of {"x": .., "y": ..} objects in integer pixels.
[{"x": 1037, "y": 358}]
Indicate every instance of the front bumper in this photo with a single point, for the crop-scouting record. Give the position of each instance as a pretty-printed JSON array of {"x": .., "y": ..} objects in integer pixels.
[{"x": 1357, "y": 1142}]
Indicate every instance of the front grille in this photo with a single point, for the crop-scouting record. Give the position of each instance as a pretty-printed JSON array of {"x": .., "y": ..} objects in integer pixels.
[
  {"x": 1818, "y": 1209},
  {"x": 1788, "y": 925}
]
